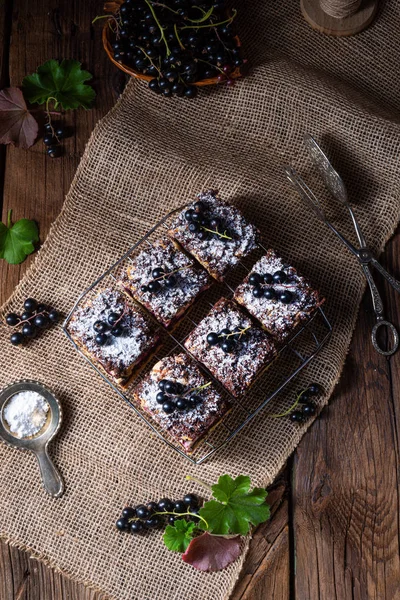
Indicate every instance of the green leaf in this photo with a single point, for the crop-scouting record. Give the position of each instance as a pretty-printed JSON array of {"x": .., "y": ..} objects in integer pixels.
[
  {"x": 17, "y": 241},
  {"x": 64, "y": 83},
  {"x": 177, "y": 537},
  {"x": 236, "y": 506}
]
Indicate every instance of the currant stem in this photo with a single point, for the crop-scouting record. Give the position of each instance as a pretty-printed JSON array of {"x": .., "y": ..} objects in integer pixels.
[
  {"x": 189, "y": 514},
  {"x": 159, "y": 26},
  {"x": 222, "y": 235},
  {"x": 214, "y": 24},
  {"x": 148, "y": 58},
  {"x": 289, "y": 410},
  {"x": 172, "y": 272},
  {"x": 9, "y": 218},
  {"x": 199, "y": 481}
]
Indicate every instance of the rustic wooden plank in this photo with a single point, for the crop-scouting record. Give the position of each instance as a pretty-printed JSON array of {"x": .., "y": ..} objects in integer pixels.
[
  {"x": 345, "y": 481},
  {"x": 35, "y": 185},
  {"x": 266, "y": 572}
]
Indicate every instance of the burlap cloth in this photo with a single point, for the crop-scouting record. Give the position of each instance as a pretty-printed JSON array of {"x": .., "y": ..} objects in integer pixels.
[{"x": 147, "y": 155}]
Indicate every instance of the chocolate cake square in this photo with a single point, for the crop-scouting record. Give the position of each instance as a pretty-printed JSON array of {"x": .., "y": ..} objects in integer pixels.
[
  {"x": 113, "y": 333},
  {"x": 164, "y": 280},
  {"x": 233, "y": 349},
  {"x": 180, "y": 399},
  {"x": 215, "y": 233},
  {"x": 276, "y": 295}
]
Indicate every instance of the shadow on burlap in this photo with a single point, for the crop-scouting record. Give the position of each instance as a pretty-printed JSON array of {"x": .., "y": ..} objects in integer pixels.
[{"x": 145, "y": 157}]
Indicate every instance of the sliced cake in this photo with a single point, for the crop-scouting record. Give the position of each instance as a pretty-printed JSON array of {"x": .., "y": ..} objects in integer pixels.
[
  {"x": 164, "y": 280},
  {"x": 113, "y": 333},
  {"x": 276, "y": 295},
  {"x": 180, "y": 399},
  {"x": 215, "y": 233},
  {"x": 233, "y": 349}
]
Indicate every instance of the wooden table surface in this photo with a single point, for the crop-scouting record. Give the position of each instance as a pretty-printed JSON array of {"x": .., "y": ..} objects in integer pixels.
[{"x": 334, "y": 533}]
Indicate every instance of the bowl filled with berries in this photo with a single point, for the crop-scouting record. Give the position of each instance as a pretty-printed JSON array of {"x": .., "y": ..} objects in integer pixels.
[{"x": 175, "y": 46}]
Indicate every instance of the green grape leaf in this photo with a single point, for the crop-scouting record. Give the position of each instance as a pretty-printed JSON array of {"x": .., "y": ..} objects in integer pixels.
[
  {"x": 17, "y": 241},
  {"x": 177, "y": 537},
  {"x": 236, "y": 506},
  {"x": 64, "y": 83}
]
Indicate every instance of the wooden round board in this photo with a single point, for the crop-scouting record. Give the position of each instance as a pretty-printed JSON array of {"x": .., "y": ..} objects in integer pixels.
[{"x": 321, "y": 21}]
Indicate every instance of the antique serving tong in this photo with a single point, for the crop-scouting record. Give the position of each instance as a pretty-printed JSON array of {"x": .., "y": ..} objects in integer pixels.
[{"x": 335, "y": 185}]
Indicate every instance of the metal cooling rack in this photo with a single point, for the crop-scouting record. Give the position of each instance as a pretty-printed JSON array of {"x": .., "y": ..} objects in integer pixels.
[{"x": 303, "y": 346}]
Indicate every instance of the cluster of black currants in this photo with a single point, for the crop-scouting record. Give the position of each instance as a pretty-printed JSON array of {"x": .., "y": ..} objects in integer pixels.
[
  {"x": 308, "y": 408},
  {"x": 172, "y": 396},
  {"x": 160, "y": 278},
  {"x": 111, "y": 327},
  {"x": 34, "y": 318},
  {"x": 205, "y": 226},
  {"x": 153, "y": 515},
  {"x": 178, "y": 43},
  {"x": 263, "y": 286},
  {"x": 53, "y": 134},
  {"x": 226, "y": 339}
]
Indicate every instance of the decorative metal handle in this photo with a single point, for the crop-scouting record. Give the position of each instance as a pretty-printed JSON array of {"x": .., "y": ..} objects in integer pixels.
[
  {"x": 50, "y": 476},
  {"x": 389, "y": 278},
  {"x": 376, "y": 298},
  {"x": 393, "y": 330}
]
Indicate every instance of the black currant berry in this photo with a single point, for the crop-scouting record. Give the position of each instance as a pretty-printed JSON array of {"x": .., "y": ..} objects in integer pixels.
[
  {"x": 12, "y": 319},
  {"x": 100, "y": 326},
  {"x": 159, "y": 272},
  {"x": 101, "y": 339},
  {"x": 213, "y": 338},
  {"x": 258, "y": 292},
  {"x": 136, "y": 526},
  {"x": 53, "y": 316},
  {"x": 168, "y": 407},
  {"x": 142, "y": 511},
  {"x": 286, "y": 297},
  {"x": 29, "y": 330},
  {"x": 17, "y": 339},
  {"x": 129, "y": 512},
  {"x": 165, "y": 505},
  {"x": 41, "y": 321},
  {"x": 267, "y": 278},
  {"x": 180, "y": 507},
  {"x": 255, "y": 279},
  {"x": 161, "y": 398},
  {"x": 309, "y": 409},
  {"x": 30, "y": 304},
  {"x": 191, "y": 500},
  {"x": 269, "y": 294},
  {"x": 297, "y": 417},
  {"x": 122, "y": 524},
  {"x": 113, "y": 318},
  {"x": 314, "y": 389},
  {"x": 161, "y": 384},
  {"x": 279, "y": 277}
]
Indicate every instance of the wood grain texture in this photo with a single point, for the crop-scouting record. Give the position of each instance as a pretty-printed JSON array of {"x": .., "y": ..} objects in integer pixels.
[{"x": 334, "y": 531}]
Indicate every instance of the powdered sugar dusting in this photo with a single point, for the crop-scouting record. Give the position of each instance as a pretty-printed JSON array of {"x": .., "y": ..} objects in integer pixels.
[
  {"x": 119, "y": 353},
  {"x": 279, "y": 319},
  {"x": 236, "y": 370},
  {"x": 189, "y": 425},
  {"x": 216, "y": 254},
  {"x": 167, "y": 303}
]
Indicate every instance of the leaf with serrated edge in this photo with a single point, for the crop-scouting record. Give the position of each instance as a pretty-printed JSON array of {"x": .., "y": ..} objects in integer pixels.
[
  {"x": 17, "y": 125},
  {"x": 64, "y": 82},
  {"x": 177, "y": 536},
  {"x": 236, "y": 508}
]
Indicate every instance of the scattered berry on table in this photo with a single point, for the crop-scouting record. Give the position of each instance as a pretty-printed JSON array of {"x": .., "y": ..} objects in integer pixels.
[
  {"x": 35, "y": 316},
  {"x": 153, "y": 515}
]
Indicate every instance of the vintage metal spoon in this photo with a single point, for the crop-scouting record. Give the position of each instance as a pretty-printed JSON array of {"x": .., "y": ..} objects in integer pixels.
[{"x": 38, "y": 444}]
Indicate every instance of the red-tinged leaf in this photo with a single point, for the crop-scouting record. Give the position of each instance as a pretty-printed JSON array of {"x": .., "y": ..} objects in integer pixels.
[
  {"x": 212, "y": 552},
  {"x": 17, "y": 126}
]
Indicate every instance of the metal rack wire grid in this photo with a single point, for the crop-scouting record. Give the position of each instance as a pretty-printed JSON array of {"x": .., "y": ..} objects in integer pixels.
[{"x": 303, "y": 346}]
